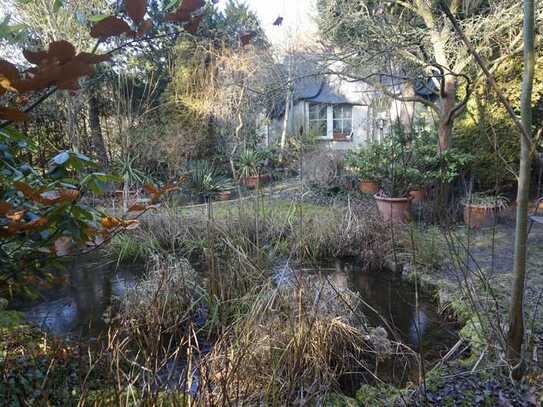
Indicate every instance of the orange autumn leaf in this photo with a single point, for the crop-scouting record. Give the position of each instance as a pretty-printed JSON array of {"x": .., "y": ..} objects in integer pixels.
[
  {"x": 110, "y": 222},
  {"x": 110, "y": 27},
  {"x": 136, "y": 9},
  {"x": 14, "y": 228},
  {"x": 15, "y": 216},
  {"x": 14, "y": 115},
  {"x": 8, "y": 75},
  {"x": 150, "y": 189}
]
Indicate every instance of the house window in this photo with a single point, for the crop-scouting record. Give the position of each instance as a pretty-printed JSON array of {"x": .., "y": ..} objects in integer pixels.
[
  {"x": 318, "y": 119},
  {"x": 343, "y": 121}
]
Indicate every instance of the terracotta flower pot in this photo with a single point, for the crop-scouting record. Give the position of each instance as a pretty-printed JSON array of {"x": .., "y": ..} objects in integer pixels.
[
  {"x": 395, "y": 210},
  {"x": 476, "y": 216},
  {"x": 368, "y": 187},
  {"x": 255, "y": 181},
  {"x": 417, "y": 195}
]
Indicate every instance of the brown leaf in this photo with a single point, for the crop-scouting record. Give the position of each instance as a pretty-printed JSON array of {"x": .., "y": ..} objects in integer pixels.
[
  {"x": 14, "y": 115},
  {"x": 61, "y": 50},
  {"x": 150, "y": 189},
  {"x": 74, "y": 70},
  {"x": 53, "y": 197},
  {"x": 110, "y": 27},
  {"x": 8, "y": 70},
  {"x": 8, "y": 75},
  {"x": 72, "y": 84},
  {"x": 168, "y": 189},
  {"x": 5, "y": 207},
  {"x": 136, "y": 9},
  {"x": 184, "y": 13},
  {"x": 144, "y": 28},
  {"x": 246, "y": 37},
  {"x": 91, "y": 59},
  {"x": 36, "y": 223},
  {"x": 181, "y": 15},
  {"x": 35, "y": 57},
  {"x": 192, "y": 27},
  {"x": 32, "y": 84},
  {"x": 69, "y": 195},
  {"x": 193, "y": 5},
  {"x": 26, "y": 189},
  {"x": 137, "y": 207}
]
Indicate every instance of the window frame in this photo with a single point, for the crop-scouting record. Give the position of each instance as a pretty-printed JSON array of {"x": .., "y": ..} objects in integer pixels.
[
  {"x": 342, "y": 119},
  {"x": 320, "y": 120}
]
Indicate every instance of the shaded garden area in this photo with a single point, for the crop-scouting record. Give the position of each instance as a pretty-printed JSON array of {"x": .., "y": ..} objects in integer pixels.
[{"x": 195, "y": 212}]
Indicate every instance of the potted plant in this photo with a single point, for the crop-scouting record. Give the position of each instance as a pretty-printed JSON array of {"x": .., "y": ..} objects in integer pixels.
[
  {"x": 364, "y": 163},
  {"x": 251, "y": 164},
  {"x": 433, "y": 168},
  {"x": 206, "y": 181},
  {"x": 397, "y": 172},
  {"x": 480, "y": 209}
]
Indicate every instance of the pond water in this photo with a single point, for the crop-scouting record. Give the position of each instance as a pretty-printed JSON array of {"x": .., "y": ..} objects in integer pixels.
[
  {"x": 390, "y": 301},
  {"x": 77, "y": 307}
]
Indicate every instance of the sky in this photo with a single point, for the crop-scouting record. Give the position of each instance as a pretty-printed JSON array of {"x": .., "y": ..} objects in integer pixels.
[{"x": 297, "y": 15}]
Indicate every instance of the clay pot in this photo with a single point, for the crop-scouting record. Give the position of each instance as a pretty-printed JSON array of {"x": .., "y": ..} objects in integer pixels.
[
  {"x": 255, "y": 181},
  {"x": 223, "y": 196},
  {"x": 417, "y": 195},
  {"x": 368, "y": 187},
  {"x": 394, "y": 210},
  {"x": 476, "y": 216}
]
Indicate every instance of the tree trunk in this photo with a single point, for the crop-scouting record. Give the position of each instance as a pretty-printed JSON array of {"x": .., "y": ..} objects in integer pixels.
[
  {"x": 98, "y": 144},
  {"x": 445, "y": 125},
  {"x": 515, "y": 333},
  {"x": 285, "y": 121},
  {"x": 71, "y": 127}
]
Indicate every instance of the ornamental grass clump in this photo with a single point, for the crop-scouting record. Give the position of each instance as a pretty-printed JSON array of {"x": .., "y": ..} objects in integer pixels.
[
  {"x": 153, "y": 340},
  {"x": 295, "y": 346}
]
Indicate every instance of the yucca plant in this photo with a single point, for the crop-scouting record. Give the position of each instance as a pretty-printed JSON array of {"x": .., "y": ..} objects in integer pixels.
[
  {"x": 205, "y": 179},
  {"x": 250, "y": 163}
]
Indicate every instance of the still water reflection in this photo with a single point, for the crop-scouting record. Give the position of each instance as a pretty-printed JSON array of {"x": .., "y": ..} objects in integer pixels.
[
  {"x": 77, "y": 307},
  {"x": 391, "y": 302}
]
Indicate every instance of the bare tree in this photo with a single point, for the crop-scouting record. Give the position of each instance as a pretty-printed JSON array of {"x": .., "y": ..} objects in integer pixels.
[
  {"x": 516, "y": 318},
  {"x": 411, "y": 41}
]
